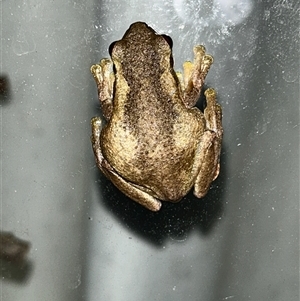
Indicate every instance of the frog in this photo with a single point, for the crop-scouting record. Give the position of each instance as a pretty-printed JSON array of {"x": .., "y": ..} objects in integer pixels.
[{"x": 152, "y": 142}]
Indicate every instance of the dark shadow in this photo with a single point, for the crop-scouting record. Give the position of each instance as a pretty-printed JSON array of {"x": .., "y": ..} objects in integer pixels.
[
  {"x": 174, "y": 220},
  {"x": 14, "y": 265},
  {"x": 5, "y": 90},
  {"x": 19, "y": 273}
]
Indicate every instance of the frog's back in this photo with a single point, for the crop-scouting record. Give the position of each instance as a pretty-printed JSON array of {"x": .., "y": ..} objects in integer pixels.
[
  {"x": 151, "y": 138},
  {"x": 155, "y": 153}
]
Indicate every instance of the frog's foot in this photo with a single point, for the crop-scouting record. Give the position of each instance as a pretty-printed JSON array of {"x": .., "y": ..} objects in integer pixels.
[
  {"x": 194, "y": 75},
  {"x": 104, "y": 77},
  {"x": 131, "y": 190},
  {"x": 202, "y": 63}
]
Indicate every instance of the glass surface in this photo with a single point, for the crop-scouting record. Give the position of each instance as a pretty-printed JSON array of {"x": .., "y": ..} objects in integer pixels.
[{"x": 88, "y": 241}]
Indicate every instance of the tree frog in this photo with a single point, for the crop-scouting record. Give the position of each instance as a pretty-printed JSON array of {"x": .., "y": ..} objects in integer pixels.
[{"x": 156, "y": 145}]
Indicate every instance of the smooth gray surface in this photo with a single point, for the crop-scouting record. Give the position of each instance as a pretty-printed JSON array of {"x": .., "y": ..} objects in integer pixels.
[{"x": 89, "y": 242}]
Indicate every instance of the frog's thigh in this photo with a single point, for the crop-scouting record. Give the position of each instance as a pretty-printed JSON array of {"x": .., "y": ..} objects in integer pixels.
[
  {"x": 131, "y": 191},
  {"x": 127, "y": 188},
  {"x": 207, "y": 163}
]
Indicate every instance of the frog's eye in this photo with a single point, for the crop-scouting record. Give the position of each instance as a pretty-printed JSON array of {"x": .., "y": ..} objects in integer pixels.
[
  {"x": 168, "y": 40},
  {"x": 110, "y": 48}
]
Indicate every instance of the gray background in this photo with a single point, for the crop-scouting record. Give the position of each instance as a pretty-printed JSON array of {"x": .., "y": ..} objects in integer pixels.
[{"x": 89, "y": 242}]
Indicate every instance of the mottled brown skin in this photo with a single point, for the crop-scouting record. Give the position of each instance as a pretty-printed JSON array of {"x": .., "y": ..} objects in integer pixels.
[{"x": 155, "y": 145}]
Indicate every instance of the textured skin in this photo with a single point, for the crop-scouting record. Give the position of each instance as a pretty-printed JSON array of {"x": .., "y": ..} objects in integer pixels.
[{"x": 155, "y": 145}]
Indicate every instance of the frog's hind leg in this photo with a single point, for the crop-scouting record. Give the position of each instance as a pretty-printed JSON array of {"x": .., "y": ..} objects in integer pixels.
[
  {"x": 208, "y": 154},
  {"x": 208, "y": 165},
  {"x": 213, "y": 113},
  {"x": 129, "y": 189}
]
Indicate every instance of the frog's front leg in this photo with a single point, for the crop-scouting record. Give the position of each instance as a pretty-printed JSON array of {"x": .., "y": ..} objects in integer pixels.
[
  {"x": 104, "y": 77},
  {"x": 194, "y": 75},
  {"x": 133, "y": 191},
  {"x": 207, "y": 160}
]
